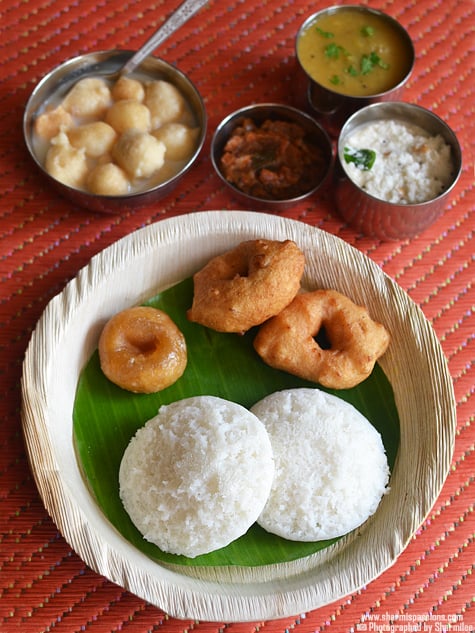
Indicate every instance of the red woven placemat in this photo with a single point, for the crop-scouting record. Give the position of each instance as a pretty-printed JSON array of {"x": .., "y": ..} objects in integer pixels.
[{"x": 236, "y": 53}]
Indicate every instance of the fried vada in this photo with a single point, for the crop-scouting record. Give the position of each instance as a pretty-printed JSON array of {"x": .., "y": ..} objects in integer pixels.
[
  {"x": 247, "y": 285},
  {"x": 354, "y": 341}
]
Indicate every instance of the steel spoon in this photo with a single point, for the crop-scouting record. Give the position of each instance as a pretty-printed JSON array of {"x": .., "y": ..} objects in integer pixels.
[{"x": 181, "y": 15}]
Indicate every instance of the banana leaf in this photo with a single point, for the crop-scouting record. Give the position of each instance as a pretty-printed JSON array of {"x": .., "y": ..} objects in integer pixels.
[{"x": 106, "y": 417}]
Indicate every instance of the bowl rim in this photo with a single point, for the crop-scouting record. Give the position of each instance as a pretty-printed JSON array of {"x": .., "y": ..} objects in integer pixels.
[
  {"x": 361, "y": 9},
  {"x": 403, "y": 107},
  {"x": 78, "y": 72},
  {"x": 278, "y": 107}
]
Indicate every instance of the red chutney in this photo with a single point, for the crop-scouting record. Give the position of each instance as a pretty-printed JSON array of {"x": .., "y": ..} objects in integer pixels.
[{"x": 272, "y": 161}]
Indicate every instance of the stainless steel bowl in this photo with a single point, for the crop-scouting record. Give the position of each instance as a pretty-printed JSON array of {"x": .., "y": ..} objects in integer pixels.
[
  {"x": 378, "y": 218},
  {"x": 258, "y": 114},
  {"x": 60, "y": 80},
  {"x": 330, "y": 107}
]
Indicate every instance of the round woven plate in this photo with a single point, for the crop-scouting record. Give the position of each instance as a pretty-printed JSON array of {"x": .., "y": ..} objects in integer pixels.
[{"x": 154, "y": 258}]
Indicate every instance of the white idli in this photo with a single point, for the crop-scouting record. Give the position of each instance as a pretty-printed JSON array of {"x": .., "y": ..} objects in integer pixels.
[
  {"x": 330, "y": 465},
  {"x": 197, "y": 475}
]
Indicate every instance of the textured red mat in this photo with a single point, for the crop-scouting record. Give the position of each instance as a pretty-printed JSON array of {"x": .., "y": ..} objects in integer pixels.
[{"x": 236, "y": 53}]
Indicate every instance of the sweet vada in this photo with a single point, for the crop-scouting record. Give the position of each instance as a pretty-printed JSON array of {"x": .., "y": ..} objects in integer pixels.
[
  {"x": 142, "y": 350},
  {"x": 354, "y": 341},
  {"x": 246, "y": 285}
]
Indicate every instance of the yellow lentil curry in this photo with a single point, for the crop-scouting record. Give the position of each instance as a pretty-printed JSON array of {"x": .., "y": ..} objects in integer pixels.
[{"x": 354, "y": 53}]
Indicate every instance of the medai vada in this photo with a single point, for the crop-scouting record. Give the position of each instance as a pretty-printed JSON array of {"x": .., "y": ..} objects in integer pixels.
[
  {"x": 247, "y": 285},
  {"x": 289, "y": 341}
]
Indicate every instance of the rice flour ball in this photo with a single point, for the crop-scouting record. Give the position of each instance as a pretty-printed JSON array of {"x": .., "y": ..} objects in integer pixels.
[
  {"x": 331, "y": 469},
  {"x": 197, "y": 475}
]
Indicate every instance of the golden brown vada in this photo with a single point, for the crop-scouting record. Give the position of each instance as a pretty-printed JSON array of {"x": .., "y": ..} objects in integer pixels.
[
  {"x": 142, "y": 350},
  {"x": 247, "y": 285},
  {"x": 287, "y": 342}
]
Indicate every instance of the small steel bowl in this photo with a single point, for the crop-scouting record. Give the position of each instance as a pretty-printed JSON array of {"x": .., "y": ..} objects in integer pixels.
[
  {"x": 61, "y": 79},
  {"x": 331, "y": 107},
  {"x": 259, "y": 113},
  {"x": 374, "y": 216}
]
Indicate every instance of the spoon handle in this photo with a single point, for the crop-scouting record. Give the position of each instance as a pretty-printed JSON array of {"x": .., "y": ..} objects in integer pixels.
[{"x": 181, "y": 15}]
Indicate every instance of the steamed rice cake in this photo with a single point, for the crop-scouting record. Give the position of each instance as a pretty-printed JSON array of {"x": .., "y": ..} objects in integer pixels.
[
  {"x": 331, "y": 469},
  {"x": 197, "y": 475}
]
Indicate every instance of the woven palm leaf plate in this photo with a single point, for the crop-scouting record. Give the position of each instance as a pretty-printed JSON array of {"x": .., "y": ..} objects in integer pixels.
[{"x": 158, "y": 257}]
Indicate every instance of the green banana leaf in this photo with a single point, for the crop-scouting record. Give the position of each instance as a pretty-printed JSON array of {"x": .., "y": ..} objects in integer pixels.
[{"x": 106, "y": 417}]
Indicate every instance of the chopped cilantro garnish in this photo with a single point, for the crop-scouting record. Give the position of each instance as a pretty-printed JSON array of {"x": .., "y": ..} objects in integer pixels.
[
  {"x": 362, "y": 158},
  {"x": 367, "y": 31},
  {"x": 326, "y": 34},
  {"x": 332, "y": 51},
  {"x": 355, "y": 67},
  {"x": 368, "y": 62}
]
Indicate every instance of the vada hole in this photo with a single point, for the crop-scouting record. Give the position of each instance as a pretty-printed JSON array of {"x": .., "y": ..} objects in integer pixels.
[
  {"x": 244, "y": 272},
  {"x": 322, "y": 339},
  {"x": 144, "y": 345}
]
